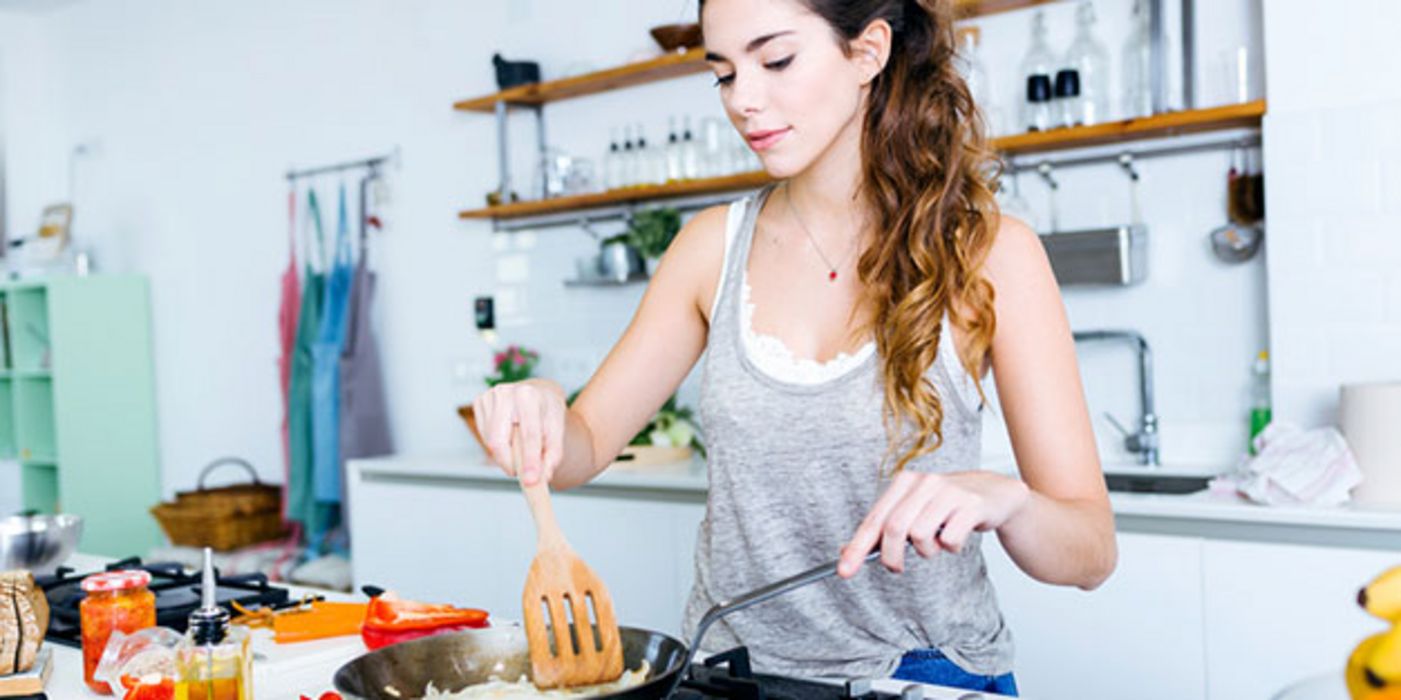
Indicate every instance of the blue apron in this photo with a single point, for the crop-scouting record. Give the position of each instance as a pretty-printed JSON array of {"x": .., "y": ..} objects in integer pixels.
[{"x": 325, "y": 378}]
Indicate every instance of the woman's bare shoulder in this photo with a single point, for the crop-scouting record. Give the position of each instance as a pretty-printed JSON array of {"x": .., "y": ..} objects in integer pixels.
[
  {"x": 700, "y": 251},
  {"x": 1016, "y": 250}
]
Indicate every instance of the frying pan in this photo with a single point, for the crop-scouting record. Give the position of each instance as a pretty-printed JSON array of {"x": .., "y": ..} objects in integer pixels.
[{"x": 453, "y": 661}]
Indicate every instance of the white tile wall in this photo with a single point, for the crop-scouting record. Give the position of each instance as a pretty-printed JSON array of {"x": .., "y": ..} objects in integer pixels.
[{"x": 1334, "y": 199}]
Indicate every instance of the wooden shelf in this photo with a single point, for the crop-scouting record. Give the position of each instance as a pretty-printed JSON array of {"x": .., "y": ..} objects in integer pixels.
[
  {"x": 977, "y": 8},
  {"x": 629, "y": 195},
  {"x": 673, "y": 65},
  {"x": 1247, "y": 114},
  {"x": 1172, "y": 124},
  {"x": 664, "y": 67}
]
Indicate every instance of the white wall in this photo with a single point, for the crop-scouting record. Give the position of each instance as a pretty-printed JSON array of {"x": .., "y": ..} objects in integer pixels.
[
  {"x": 1335, "y": 297},
  {"x": 25, "y": 104},
  {"x": 197, "y": 109}
]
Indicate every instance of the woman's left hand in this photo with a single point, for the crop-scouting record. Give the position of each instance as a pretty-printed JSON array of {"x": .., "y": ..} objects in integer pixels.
[{"x": 935, "y": 512}]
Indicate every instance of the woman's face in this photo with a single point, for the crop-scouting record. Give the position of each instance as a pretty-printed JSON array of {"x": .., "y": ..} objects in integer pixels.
[{"x": 786, "y": 85}]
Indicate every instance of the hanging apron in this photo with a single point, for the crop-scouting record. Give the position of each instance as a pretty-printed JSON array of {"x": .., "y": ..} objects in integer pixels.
[
  {"x": 301, "y": 506},
  {"x": 364, "y": 417},
  {"x": 325, "y": 378},
  {"x": 287, "y": 312}
]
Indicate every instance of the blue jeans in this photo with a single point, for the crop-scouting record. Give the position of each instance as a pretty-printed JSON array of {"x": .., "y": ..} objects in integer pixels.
[{"x": 932, "y": 667}]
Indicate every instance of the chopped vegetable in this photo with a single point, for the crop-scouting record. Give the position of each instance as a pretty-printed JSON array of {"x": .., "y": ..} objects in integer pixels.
[{"x": 390, "y": 619}]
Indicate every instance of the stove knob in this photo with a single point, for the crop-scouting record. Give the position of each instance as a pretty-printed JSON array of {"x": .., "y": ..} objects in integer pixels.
[
  {"x": 912, "y": 692},
  {"x": 858, "y": 688}
]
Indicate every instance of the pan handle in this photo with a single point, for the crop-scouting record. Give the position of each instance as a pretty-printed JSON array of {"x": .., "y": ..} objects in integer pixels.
[{"x": 753, "y": 597}]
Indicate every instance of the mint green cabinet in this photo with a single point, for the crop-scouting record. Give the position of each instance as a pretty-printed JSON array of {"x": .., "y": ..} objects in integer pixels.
[{"x": 77, "y": 405}]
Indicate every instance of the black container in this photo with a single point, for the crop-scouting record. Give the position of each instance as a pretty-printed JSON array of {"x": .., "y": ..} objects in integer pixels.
[{"x": 512, "y": 73}]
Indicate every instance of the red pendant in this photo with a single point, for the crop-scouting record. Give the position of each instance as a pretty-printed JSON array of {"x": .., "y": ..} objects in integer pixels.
[{"x": 832, "y": 276}]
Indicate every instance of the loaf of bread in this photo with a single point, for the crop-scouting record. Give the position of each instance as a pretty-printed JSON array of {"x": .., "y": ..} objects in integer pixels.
[{"x": 24, "y": 619}]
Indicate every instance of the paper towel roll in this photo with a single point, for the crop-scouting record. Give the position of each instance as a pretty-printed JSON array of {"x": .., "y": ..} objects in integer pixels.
[{"x": 1369, "y": 416}]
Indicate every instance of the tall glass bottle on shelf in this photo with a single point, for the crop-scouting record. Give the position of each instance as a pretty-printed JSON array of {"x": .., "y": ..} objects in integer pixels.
[
  {"x": 1137, "y": 64},
  {"x": 647, "y": 160},
  {"x": 1090, "y": 61},
  {"x": 627, "y": 163},
  {"x": 1038, "y": 67},
  {"x": 690, "y": 151},
  {"x": 673, "y": 151},
  {"x": 611, "y": 181},
  {"x": 974, "y": 71}
]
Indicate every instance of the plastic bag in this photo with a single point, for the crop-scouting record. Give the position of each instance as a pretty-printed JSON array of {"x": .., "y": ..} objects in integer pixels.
[{"x": 142, "y": 663}]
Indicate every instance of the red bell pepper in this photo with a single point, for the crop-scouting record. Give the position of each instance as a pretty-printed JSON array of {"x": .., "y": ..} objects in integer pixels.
[
  {"x": 390, "y": 619},
  {"x": 148, "y": 688}
]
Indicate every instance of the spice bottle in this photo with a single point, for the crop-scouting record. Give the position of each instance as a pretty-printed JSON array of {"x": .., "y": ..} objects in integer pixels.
[{"x": 215, "y": 662}]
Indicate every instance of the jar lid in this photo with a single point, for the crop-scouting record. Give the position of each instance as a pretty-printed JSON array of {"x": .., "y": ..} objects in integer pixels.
[{"x": 116, "y": 580}]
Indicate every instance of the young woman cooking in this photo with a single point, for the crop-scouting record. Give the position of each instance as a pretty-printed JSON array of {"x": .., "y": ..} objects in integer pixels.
[{"x": 847, "y": 315}]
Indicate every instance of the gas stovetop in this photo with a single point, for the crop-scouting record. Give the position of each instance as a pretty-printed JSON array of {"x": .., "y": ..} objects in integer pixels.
[
  {"x": 728, "y": 675},
  {"x": 177, "y": 595}
]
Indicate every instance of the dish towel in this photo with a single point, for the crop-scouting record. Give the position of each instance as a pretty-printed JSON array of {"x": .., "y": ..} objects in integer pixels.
[{"x": 1293, "y": 466}]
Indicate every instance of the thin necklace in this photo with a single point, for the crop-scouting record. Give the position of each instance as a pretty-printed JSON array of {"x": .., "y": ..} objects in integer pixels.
[{"x": 831, "y": 269}]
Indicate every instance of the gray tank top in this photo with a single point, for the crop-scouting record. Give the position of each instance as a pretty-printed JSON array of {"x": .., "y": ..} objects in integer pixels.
[{"x": 793, "y": 469}]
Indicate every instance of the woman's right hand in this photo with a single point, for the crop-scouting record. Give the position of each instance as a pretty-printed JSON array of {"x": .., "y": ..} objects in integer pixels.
[{"x": 536, "y": 407}]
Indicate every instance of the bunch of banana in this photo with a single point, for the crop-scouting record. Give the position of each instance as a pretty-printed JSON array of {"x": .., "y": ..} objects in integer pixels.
[
  {"x": 1374, "y": 669},
  {"x": 24, "y": 619}
]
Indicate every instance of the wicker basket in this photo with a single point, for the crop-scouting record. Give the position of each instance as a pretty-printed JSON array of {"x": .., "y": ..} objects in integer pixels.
[{"x": 224, "y": 518}]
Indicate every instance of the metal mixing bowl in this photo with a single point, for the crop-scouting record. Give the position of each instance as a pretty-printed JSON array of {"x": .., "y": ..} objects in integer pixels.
[{"x": 38, "y": 543}]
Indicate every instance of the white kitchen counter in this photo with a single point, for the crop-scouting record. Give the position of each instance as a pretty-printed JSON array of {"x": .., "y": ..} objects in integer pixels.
[{"x": 1205, "y": 513}]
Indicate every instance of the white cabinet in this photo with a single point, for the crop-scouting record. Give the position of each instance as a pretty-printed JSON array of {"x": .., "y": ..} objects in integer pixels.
[
  {"x": 1190, "y": 617},
  {"x": 1137, "y": 636},
  {"x": 471, "y": 542},
  {"x": 1281, "y": 612}
]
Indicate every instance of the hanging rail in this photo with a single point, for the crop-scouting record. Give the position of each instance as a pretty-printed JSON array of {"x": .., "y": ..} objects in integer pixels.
[
  {"x": 1014, "y": 165},
  {"x": 371, "y": 163}
]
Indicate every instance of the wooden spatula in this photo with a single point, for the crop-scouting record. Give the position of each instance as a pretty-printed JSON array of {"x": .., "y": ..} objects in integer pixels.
[{"x": 560, "y": 590}]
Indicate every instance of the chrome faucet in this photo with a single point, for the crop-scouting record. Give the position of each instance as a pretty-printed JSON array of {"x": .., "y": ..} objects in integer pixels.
[{"x": 1143, "y": 442}]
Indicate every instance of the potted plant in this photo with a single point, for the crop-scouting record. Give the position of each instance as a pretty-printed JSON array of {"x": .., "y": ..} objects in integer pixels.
[
  {"x": 650, "y": 231},
  {"x": 513, "y": 364}
]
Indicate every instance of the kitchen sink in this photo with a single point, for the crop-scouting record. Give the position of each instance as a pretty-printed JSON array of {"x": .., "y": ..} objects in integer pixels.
[{"x": 1144, "y": 480}]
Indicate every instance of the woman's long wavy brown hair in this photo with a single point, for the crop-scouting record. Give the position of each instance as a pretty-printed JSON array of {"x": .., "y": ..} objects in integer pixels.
[{"x": 927, "y": 174}]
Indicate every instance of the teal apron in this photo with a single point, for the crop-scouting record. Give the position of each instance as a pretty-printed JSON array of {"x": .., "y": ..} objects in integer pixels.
[{"x": 301, "y": 506}]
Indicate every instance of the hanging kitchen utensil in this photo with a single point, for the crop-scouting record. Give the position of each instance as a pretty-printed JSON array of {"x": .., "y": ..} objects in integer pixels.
[
  {"x": 1239, "y": 239},
  {"x": 568, "y": 646}
]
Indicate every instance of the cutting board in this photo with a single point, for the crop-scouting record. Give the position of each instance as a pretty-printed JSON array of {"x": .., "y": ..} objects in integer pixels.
[{"x": 30, "y": 682}]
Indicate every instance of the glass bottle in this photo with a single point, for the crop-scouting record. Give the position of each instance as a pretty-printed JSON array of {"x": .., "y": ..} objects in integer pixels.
[
  {"x": 1260, "y": 411},
  {"x": 1036, "y": 114},
  {"x": 610, "y": 161},
  {"x": 690, "y": 152},
  {"x": 1066, "y": 109},
  {"x": 644, "y": 173},
  {"x": 1090, "y": 60},
  {"x": 1039, "y": 64},
  {"x": 627, "y": 163},
  {"x": 114, "y": 601},
  {"x": 673, "y": 151},
  {"x": 971, "y": 67},
  {"x": 214, "y": 662},
  {"x": 1138, "y": 63}
]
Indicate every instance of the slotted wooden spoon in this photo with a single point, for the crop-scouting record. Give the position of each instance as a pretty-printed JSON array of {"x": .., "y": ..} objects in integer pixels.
[{"x": 568, "y": 646}]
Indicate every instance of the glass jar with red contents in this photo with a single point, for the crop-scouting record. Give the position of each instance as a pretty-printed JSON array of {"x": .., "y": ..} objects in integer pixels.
[{"x": 116, "y": 600}]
